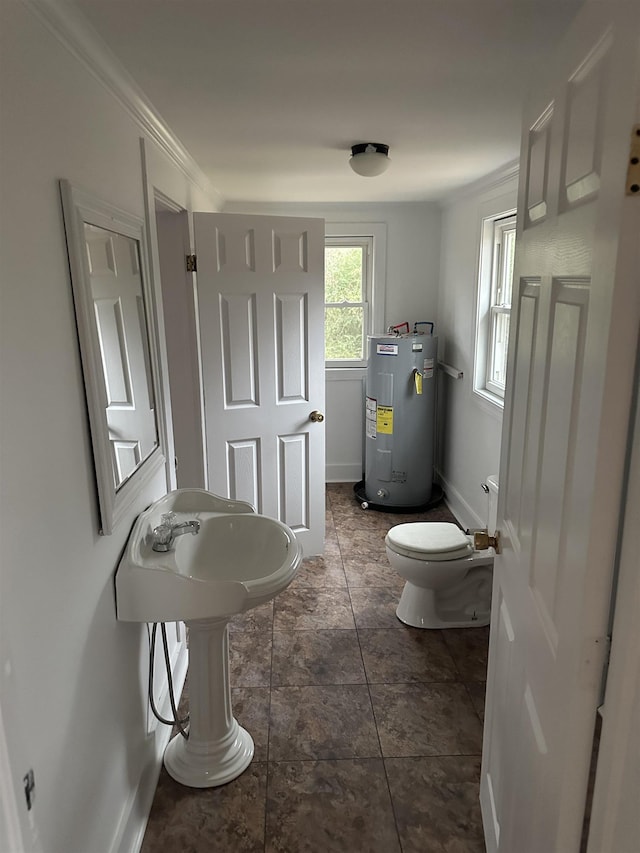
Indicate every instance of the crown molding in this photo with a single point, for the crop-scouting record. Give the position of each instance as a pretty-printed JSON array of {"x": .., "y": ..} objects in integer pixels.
[
  {"x": 488, "y": 182},
  {"x": 72, "y": 30}
]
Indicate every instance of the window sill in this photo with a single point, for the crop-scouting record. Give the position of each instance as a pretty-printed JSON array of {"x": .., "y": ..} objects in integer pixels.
[{"x": 490, "y": 402}]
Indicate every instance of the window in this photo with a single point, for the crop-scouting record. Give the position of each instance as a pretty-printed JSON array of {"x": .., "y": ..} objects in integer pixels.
[
  {"x": 347, "y": 263},
  {"x": 354, "y": 291},
  {"x": 497, "y": 253}
]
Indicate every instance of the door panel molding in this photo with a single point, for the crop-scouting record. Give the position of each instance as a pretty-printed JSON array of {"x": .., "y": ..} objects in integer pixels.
[
  {"x": 569, "y": 388},
  {"x": 261, "y": 317}
]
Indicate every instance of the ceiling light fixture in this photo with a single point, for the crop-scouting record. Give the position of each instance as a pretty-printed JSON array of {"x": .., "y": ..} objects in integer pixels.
[{"x": 369, "y": 158}]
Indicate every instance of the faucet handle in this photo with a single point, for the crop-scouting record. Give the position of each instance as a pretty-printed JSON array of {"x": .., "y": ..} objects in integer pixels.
[{"x": 168, "y": 519}]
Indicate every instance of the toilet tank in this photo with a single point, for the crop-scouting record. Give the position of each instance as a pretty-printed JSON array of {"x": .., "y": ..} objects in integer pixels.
[{"x": 492, "y": 498}]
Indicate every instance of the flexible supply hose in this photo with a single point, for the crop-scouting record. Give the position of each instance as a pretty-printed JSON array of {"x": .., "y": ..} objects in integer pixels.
[{"x": 152, "y": 650}]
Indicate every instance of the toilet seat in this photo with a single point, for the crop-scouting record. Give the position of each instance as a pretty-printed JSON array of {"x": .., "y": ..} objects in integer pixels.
[{"x": 429, "y": 541}]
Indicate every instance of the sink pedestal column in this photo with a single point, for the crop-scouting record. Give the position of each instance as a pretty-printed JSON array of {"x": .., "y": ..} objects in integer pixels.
[{"x": 218, "y": 749}]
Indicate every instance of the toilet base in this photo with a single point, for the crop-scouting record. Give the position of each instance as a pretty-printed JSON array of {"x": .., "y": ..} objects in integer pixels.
[{"x": 424, "y": 608}]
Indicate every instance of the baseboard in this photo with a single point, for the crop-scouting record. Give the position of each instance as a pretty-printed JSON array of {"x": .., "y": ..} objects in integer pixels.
[
  {"x": 458, "y": 505},
  {"x": 135, "y": 814},
  {"x": 343, "y": 473}
]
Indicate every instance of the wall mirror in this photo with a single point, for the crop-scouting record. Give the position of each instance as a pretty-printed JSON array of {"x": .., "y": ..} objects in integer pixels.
[{"x": 113, "y": 301}]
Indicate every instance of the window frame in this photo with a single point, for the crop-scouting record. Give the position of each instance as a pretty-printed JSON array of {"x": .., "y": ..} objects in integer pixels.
[
  {"x": 489, "y": 305},
  {"x": 366, "y": 245},
  {"x": 373, "y": 236}
]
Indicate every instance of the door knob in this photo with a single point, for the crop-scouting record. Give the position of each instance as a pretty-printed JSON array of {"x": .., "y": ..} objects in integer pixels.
[{"x": 316, "y": 417}]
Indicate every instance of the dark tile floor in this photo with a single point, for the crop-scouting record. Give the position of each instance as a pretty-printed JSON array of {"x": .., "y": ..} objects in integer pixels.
[{"x": 368, "y": 733}]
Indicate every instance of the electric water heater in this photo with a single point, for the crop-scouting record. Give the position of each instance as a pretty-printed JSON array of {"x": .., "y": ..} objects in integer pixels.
[{"x": 400, "y": 419}]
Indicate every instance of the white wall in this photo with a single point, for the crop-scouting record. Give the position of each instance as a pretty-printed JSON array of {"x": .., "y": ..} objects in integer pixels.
[
  {"x": 72, "y": 677},
  {"x": 468, "y": 427},
  {"x": 413, "y": 247}
]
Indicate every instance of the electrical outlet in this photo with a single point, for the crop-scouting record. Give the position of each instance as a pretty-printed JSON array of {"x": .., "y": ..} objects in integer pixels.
[{"x": 29, "y": 782}]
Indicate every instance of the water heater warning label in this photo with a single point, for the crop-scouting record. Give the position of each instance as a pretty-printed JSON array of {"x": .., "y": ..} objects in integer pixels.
[
  {"x": 384, "y": 421},
  {"x": 370, "y": 417},
  {"x": 427, "y": 372}
]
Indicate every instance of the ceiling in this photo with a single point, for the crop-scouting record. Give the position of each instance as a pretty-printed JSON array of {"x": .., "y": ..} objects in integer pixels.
[{"x": 269, "y": 95}]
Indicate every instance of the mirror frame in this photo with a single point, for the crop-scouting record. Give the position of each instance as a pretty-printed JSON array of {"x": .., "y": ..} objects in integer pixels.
[{"x": 80, "y": 208}]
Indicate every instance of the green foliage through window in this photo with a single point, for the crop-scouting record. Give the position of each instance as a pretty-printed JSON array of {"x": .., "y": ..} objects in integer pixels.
[
  {"x": 343, "y": 274},
  {"x": 344, "y": 303},
  {"x": 343, "y": 333}
]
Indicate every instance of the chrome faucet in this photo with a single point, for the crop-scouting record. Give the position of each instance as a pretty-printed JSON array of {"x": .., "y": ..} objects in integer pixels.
[{"x": 164, "y": 535}]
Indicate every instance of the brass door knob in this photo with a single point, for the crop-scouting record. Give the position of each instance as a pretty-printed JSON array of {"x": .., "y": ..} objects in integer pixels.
[{"x": 316, "y": 417}]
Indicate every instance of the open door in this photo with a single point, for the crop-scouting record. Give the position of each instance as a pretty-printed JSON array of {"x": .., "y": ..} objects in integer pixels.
[
  {"x": 570, "y": 379},
  {"x": 615, "y": 817},
  {"x": 260, "y": 284}
]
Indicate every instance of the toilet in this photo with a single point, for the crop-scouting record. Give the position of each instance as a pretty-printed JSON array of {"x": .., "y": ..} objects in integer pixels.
[{"x": 448, "y": 583}]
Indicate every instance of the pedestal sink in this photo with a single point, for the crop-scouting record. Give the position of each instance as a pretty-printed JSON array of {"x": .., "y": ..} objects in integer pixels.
[{"x": 236, "y": 561}]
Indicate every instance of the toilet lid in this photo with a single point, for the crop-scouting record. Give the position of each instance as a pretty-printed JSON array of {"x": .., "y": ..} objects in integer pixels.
[{"x": 430, "y": 540}]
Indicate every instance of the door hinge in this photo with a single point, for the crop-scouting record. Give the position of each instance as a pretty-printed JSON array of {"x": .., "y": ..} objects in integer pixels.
[
  {"x": 192, "y": 263},
  {"x": 632, "y": 185}
]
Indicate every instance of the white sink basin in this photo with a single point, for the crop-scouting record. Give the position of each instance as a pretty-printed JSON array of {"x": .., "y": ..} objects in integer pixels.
[
  {"x": 235, "y": 561},
  {"x": 238, "y": 560}
]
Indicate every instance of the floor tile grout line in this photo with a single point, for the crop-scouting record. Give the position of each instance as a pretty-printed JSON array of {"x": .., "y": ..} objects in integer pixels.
[
  {"x": 266, "y": 802},
  {"x": 393, "y": 805},
  {"x": 463, "y": 680},
  {"x": 373, "y": 716},
  {"x": 455, "y": 660},
  {"x": 373, "y": 713},
  {"x": 384, "y": 767},
  {"x": 468, "y": 692},
  {"x": 412, "y": 682},
  {"x": 422, "y": 755}
]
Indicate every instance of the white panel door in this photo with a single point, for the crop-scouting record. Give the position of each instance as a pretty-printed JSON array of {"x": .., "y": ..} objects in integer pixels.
[
  {"x": 261, "y": 314},
  {"x": 570, "y": 379},
  {"x": 116, "y": 288},
  {"x": 615, "y": 816}
]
